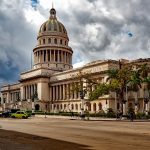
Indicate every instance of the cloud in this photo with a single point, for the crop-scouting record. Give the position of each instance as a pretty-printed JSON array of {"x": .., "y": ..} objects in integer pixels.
[
  {"x": 16, "y": 40},
  {"x": 97, "y": 30}
]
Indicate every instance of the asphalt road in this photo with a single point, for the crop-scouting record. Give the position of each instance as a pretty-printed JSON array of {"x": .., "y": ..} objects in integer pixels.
[{"x": 66, "y": 134}]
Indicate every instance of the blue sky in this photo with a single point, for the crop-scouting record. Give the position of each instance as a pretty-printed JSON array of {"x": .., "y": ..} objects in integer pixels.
[{"x": 106, "y": 29}]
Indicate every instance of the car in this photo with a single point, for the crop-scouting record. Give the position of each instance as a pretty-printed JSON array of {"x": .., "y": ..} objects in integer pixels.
[
  {"x": 6, "y": 114},
  {"x": 1, "y": 113},
  {"x": 20, "y": 114}
]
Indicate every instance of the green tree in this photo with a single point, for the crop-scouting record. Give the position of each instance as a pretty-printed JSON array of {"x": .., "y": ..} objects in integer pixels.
[
  {"x": 102, "y": 89},
  {"x": 135, "y": 84},
  {"x": 122, "y": 76}
]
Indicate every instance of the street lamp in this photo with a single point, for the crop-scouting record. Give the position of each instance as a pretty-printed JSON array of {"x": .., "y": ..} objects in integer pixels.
[
  {"x": 124, "y": 106},
  {"x": 82, "y": 94},
  {"x": 146, "y": 100},
  {"x": 136, "y": 106}
]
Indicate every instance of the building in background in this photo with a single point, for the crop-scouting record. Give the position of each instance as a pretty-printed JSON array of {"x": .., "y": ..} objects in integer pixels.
[{"x": 48, "y": 86}]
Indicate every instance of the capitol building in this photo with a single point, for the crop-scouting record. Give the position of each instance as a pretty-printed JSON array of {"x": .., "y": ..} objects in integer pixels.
[{"x": 49, "y": 85}]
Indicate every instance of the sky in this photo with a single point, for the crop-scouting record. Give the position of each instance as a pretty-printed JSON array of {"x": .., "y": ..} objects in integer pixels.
[{"x": 97, "y": 29}]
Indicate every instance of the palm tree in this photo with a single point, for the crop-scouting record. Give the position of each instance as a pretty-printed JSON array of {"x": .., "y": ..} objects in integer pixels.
[
  {"x": 112, "y": 74},
  {"x": 146, "y": 92},
  {"x": 122, "y": 76},
  {"x": 144, "y": 69},
  {"x": 135, "y": 84}
]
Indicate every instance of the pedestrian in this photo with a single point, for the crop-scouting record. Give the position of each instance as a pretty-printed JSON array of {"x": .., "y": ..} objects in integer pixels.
[
  {"x": 45, "y": 114},
  {"x": 131, "y": 115}
]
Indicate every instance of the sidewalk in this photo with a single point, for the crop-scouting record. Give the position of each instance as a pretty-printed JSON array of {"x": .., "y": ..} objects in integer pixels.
[{"x": 91, "y": 118}]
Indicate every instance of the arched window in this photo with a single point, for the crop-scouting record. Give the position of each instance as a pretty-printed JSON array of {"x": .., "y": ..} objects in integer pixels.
[
  {"x": 61, "y": 106},
  {"x": 100, "y": 106},
  {"x": 76, "y": 106},
  {"x": 61, "y": 41},
  {"x": 72, "y": 106},
  {"x": 57, "y": 107},
  {"x": 65, "y": 43},
  {"x": 94, "y": 107},
  {"x": 55, "y": 41},
  {"x": 89, "y": 107},
  {"x": 43, "y": 41},
  {"x": 49, "y": 40}
]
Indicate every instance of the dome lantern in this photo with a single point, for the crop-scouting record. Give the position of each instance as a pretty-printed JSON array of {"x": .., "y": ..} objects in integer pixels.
[{"x": 52, "y": 13}]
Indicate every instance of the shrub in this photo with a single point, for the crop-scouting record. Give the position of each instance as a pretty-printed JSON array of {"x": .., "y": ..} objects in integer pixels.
[
  {"x": 110, "y": 113},
  {"x": 141, "y": 115}
]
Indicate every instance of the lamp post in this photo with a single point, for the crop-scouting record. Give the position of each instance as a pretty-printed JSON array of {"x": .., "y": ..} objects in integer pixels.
[
  {"x": 124, "y": 107},
  {"x": 82, "y": 94},
  {"x": 136, "y": 106},
  {"x": 116, "y": 103},
  {"x": 146, "y": 100}
]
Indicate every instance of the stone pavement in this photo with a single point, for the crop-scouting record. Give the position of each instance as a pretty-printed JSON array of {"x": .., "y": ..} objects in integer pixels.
[{"x": 90, "y": 118}]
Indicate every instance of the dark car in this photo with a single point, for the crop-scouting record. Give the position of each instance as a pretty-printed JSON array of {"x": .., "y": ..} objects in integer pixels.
[
  {"x": 6, "y": 114},
  {"x": 1, "y": 113}
]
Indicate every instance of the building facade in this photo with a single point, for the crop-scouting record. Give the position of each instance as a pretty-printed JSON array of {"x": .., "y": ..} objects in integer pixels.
[{"x": 49, "y": 85}]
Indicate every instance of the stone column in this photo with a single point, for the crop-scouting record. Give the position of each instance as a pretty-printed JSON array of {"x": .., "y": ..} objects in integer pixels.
[
  {"x": 57, "y": 94},
  {"x": 71, "y": 91},
  {"x": 27, "y": 92},
  {"x": 58, "y": 59},
  {"x": 60, "y": 92},
  {"x": 64, "y": 57},
  {"x": 75, "y": 92},
  {"x": 38, "y": 56},
  {"x": 50, "y": 53},
  {"x": 54, "y": 55},
  {"x": 53, "y": 93},
  {"x": 50, "y": 93},
  {"x": 23, "y": 92},
  {"x": 30, "y": 91},
  {"x": 67, "y": 91},
  {"x": 63, "y": 91}
]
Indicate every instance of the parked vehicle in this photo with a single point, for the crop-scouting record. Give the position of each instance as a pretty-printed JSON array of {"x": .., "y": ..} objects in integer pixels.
[
  {"x": 20, "y": 114},
  {"x": 1, "y": 113},
  {"x": 6, "y": 114}
]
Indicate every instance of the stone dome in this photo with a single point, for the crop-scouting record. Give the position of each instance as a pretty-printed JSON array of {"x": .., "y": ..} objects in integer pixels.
[
  {"x": 52, "y": 50},
  {"x": 52, "y": 24}
]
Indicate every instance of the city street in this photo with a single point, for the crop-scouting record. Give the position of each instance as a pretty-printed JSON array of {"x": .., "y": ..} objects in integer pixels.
[{"x": 65, "y": 134}]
